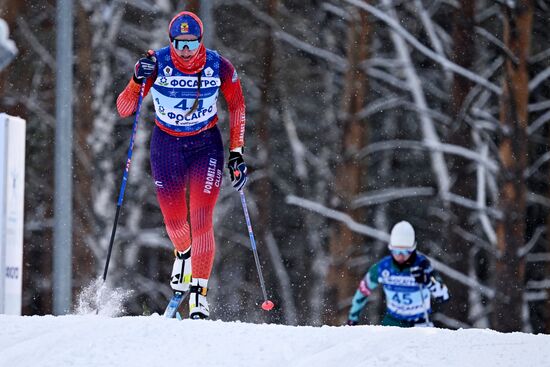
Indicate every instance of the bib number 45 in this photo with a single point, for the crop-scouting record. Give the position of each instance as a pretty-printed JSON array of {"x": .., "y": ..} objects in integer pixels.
[{"x": 402, "y": 298}]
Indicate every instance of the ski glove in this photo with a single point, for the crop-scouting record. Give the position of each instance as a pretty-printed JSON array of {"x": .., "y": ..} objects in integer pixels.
[
  {"x": 420, "y": 275},
  {"x": 145, "y": 67},
  {"x": 352, "y": 323},
  {"x": 237, "y": 170},
  {"x": 439, "y": 291}
]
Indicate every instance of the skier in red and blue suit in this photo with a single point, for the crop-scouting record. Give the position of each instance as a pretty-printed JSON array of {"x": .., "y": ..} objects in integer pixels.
[{"x": 187, "y": 157}]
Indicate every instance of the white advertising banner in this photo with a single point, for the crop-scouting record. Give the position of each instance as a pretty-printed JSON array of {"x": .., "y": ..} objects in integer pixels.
[{"x": 12, "y": 189}]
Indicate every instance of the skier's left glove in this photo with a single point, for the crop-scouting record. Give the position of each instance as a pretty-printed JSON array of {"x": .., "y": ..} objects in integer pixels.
[
  {"x": 237, "y": 170},
  {"x": 439, "y": 291}
]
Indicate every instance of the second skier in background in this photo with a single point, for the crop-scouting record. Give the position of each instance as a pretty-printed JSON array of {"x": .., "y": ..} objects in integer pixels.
[{"x": 408, "y": 280}]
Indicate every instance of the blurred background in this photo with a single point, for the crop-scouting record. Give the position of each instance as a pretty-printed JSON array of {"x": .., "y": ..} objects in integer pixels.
[{"x": 360, "y": 114}]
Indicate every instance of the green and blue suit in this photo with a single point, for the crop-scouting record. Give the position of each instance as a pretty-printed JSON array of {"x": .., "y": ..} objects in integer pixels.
[{"x": 407, "y": 302}]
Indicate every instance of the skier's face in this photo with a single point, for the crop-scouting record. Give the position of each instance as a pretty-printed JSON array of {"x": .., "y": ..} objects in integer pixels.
[
  {"x": 401, "y": 256},
  {"x": 188, "y": 49}
]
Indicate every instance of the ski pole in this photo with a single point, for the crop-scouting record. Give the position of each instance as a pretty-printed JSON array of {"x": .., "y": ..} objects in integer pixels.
[
  {"x": 267, "y": 304},
  {"x": 124, "y": 179},
  {"x": 426, "y": 315}
]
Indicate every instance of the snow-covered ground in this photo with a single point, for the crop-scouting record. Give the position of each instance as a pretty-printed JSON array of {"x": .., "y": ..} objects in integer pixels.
[{"x": 94, "y": 341}]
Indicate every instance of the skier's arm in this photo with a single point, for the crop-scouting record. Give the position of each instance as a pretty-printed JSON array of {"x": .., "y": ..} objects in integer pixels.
[
  {"x": 425, "y": 275},
  {"x": 359, "y": 301},
  {"x": 233, "y": 94},
  {"x": 127, "y": 101}
]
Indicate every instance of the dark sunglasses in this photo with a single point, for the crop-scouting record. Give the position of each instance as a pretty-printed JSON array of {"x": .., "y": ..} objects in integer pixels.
[{"x": 191, "y": 44}]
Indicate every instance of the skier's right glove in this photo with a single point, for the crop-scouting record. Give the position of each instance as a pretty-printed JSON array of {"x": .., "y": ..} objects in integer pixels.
[
  {"x": 145, "y": 67},
  {"x": 419, "y": 275},
  {"x": 237, "y": 170},
  {"x": 352, "y": 323}
]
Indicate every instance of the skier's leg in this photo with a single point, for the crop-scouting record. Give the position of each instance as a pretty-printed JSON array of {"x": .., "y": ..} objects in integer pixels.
[
  {"x": 168, "y": 166},
  {"x": 204, "y": 188}
]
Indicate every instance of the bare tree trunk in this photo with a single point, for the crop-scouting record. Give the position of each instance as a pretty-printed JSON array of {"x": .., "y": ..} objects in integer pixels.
[
  {"x": 383, "y": 222},
  {"x": 9, "y": 9},
  {"x": 84, "y": 219},
  {"x": 263, "y": 185},
  {"x": 429, "y": 132},
  {"x": 462, "y": 169},
  {"x": 510, "y": 267},
  {"x": 349, "y": 173},
  {"x": 19, "y": 97},
  {"x": 103, "y": 121}
]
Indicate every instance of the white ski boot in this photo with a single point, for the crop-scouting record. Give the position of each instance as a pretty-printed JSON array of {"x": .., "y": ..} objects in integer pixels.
[
  {"x": 181, "y": 271},
  {"x": 198, "y": 305}
]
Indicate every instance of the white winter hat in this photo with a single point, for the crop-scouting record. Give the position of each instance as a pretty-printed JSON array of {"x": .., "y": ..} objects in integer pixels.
[{"x": 402, "y": 237}]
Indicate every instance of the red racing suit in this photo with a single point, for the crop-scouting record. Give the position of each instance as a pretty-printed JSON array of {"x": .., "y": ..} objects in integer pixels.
[{"x": 186, "y": 148}]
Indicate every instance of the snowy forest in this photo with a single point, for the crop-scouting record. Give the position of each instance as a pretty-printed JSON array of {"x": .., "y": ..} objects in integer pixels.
[{"x": 360, "y": 113}]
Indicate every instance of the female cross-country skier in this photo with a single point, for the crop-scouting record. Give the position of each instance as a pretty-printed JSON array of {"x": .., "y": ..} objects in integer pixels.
[
  {"x": 185, "y": 79},
  {"x": 408, "y": 280}
]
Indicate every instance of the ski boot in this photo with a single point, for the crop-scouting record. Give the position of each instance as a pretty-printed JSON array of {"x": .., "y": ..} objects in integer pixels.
[
  {"x": 198, "y": 305},
  {"x": 181, "y": 271}
]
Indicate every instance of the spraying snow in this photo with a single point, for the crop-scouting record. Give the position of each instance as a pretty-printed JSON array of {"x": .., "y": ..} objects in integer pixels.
[{"x": 97, "y": 298}]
